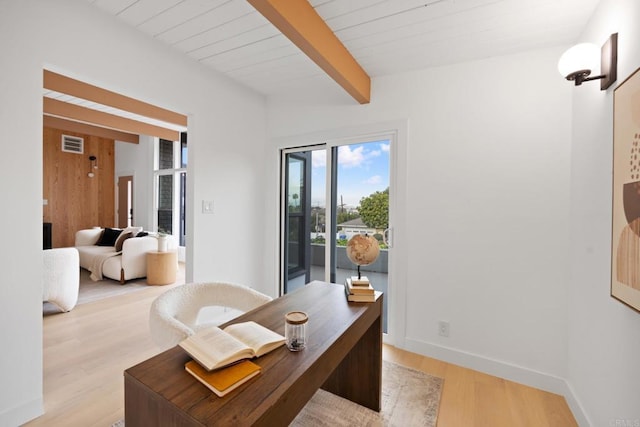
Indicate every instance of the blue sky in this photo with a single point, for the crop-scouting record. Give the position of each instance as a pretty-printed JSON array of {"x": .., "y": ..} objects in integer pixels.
[{"x": 362, "y": 170}]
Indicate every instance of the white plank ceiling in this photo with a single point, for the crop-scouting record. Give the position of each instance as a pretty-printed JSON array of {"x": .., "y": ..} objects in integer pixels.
[{"x": 385, "y": 36}]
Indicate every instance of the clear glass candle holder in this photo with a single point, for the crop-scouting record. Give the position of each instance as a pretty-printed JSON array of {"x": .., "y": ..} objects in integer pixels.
[{"x": 295, "y": 330}]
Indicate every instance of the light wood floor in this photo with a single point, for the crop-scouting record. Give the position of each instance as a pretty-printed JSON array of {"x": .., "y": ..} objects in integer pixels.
[{"x": 87, "y": 350}]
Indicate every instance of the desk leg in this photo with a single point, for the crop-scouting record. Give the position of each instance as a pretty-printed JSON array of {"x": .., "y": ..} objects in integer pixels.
[{"x": 359, "y": 376}]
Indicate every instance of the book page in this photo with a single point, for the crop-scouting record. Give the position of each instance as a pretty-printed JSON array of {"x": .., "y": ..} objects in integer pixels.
[
  {"x": 256, "y": 336},
  {"x": 213, "y": 348}
]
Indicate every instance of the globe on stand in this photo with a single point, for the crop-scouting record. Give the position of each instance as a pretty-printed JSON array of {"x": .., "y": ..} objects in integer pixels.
[{"x": 362, "y": 250}]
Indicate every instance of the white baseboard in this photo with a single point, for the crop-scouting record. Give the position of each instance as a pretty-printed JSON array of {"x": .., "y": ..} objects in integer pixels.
[
  {"x": 576, "y": 407},
  {"x": 21, "y": 414},
  {"x": 509, "y": 371}
]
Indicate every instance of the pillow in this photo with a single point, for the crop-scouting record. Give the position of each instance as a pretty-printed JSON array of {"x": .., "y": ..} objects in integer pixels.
[
  {"x": 99, "y": 237},
  {"x": 133, "y": 230},
  {"x": 109, "y": 237},
  {"x": 142, "y": 234},
  {"x": 121, "y": 238}
]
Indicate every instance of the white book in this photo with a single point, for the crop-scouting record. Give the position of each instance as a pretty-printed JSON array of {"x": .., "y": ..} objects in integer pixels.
[
  {"x": 359, "y": 290},
  {"x": 214, "y": 348},
  {"x": 362, "y": 281}
]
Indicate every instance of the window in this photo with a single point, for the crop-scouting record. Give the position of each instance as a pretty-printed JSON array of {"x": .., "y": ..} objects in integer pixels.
[{"x": 170, "y": 187}]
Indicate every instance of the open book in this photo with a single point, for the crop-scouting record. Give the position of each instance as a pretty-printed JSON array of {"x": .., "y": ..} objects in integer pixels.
[{"x": 214, "y": 348}]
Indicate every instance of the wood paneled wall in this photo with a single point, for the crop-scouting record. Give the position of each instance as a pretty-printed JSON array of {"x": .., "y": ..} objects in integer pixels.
[{"x": 76, "y": 201}]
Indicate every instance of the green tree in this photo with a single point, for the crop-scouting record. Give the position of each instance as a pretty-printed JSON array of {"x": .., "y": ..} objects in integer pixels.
[{"x": 374, "y": 209}]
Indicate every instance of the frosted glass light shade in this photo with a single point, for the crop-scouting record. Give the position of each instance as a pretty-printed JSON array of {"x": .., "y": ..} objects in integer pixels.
[{"x": 583, "y": 56}]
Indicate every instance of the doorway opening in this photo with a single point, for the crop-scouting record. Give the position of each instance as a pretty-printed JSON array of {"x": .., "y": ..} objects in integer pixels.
[
  {"x": 111, "y": 121},
  {"x": 125, "y": 201}
]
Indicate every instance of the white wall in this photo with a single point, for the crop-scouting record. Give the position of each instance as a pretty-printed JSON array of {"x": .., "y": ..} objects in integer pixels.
[
  {"x": 21, "y": 192},
  {"x": 487, "y": 167},
  {"x": 226, "y": 138},
  {"x": 604, "y": 334},
  {"x": 137, "y": 160}
]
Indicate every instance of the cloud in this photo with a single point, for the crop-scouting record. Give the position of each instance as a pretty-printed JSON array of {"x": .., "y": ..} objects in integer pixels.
[
  {"x": 374, "y": 180},
  {"x": 349, "y": 158}
]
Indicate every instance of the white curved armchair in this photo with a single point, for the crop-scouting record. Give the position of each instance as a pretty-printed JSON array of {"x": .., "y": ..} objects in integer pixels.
[
  {"x": 174, "y": 314},
  {"x": 61, "y": 277}
]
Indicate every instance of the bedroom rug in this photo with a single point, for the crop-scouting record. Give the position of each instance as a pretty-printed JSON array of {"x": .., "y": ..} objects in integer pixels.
[
  {"x": 93, "y": 291},
  {"x": 409, "y": 398}
]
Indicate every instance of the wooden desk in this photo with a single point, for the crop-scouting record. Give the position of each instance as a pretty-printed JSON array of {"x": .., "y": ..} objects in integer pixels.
[
  {"x": 161, "y": 267},
  {"x": 344, "y": 356}
]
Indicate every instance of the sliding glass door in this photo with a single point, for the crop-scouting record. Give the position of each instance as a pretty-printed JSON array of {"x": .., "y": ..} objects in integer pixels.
[{"x": 330, "y": 193}]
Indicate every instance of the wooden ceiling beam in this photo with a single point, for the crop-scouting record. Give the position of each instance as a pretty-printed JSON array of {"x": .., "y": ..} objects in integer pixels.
[
  {"x": 301, "y": 24},
  {"x": 71, "y": 126},
  {"x": 71, "y": 111},
  {"x": 63, "y": 84}
]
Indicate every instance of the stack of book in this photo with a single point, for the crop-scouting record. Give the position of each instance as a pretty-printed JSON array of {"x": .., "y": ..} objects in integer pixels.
[
  {"x": 225, "y": 380},
  {"x": 359, "y": 289},
  {"x": 221, "y": 356}
]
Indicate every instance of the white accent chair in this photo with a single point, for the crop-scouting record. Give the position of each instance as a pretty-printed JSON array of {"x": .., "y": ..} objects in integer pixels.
[
  {"x": 177, "y": 313},
  {"x": 61, "y": 277}
]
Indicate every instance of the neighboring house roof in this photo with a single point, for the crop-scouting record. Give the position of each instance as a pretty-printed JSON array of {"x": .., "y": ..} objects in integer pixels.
[{"x": 354, "y": 223}]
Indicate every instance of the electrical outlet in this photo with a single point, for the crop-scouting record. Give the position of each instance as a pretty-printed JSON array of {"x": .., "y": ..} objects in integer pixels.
[
  {"x": 443, "y": 328},
  {"x": 207, "y": 206}
]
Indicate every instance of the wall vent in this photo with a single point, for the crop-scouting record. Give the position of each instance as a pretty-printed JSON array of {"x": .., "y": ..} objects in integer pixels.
[{"x": 72, "y": 144}]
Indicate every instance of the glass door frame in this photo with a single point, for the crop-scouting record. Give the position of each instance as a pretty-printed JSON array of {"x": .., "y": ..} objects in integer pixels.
[
  {"x": 303, "y": 214},
  {"x": 282, "y": 230}
]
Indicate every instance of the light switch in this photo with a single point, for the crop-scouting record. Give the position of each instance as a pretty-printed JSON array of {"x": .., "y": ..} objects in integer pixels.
[
  {"x": 207, "y": 206},
  {"x": 45, "y": 202}
]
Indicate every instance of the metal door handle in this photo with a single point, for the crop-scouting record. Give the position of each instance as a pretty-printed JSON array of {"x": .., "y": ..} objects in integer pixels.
[{"x": 387, "y": 237}]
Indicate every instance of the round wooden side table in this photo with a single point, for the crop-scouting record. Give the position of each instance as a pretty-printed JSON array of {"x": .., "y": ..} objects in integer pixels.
[{"x": 161, "y": 267}]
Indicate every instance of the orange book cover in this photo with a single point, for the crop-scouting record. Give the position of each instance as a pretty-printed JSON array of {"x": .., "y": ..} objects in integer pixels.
[{"x": 223, "y": 381}]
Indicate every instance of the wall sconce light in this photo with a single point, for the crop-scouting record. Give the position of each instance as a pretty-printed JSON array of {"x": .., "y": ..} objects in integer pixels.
[
  {"x": 577, "y": 63},
  {"x": 93, "y": 164}
]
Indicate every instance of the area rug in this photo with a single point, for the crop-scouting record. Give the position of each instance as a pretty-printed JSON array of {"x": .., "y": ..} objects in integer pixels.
[
  {"x": 409, "y": 398},
  {"x": 93, "y": 291}
]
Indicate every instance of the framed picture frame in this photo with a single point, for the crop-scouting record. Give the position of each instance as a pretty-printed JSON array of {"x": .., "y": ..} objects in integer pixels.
[{"x": 625, "y": 237}]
